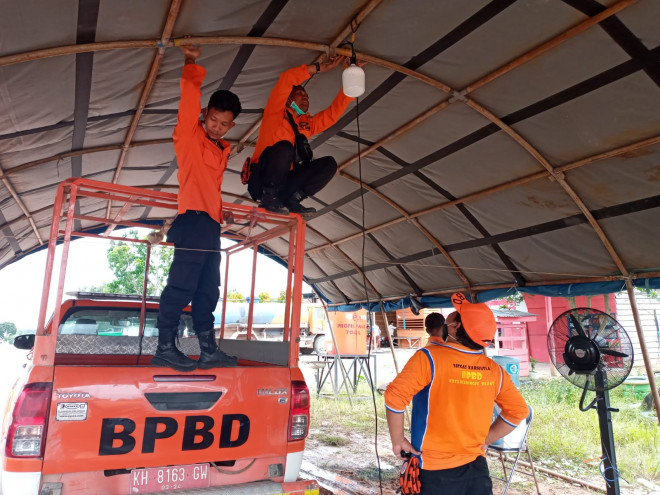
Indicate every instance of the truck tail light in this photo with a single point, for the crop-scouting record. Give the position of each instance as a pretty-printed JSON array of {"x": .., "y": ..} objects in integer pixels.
[
  {"x": 299, "y": 418},
  {"x": 27, "y": 431}
]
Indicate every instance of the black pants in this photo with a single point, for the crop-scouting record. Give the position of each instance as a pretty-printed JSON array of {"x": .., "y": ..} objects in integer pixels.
[
  {"x": 274, "y": 170},
  {"x": 194, "y": 274},
  {"x": 470, "y": 479}
]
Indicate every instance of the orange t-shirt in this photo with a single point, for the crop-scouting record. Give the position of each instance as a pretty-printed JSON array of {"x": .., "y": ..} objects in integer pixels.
[
  {"x": 201, "y": 162},
  {"x": 453, "y": 390},
  {"x": 276, "y": 127}
]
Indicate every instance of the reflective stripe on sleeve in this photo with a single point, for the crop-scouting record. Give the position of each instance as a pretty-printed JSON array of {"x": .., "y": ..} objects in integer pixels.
[{"x": 507, "y": 421}]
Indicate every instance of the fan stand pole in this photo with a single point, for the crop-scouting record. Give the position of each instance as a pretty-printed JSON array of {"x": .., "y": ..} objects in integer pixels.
[
  {"x": 642, "y": 345},
  {"x": 610, "y": 472}
]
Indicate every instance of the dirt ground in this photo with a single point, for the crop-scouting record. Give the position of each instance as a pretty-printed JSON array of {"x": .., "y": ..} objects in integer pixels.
[{"x": 357, "y": 461}]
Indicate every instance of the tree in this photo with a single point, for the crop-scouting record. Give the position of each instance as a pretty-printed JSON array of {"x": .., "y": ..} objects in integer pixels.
[
  {"x": 264, "y": 297},
  {"x": 127, "y": 261},
  {"x": 282, "y": 296},
  {"x": 8, "y": 331},
  {"x": 234, "y": 295},
  {"x": 649, "y": 292},
  {"x": 512, "y": 300}
]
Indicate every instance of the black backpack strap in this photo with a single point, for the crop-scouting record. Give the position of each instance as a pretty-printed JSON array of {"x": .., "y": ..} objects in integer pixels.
[
  {"x": 296, "y": 131},
  {"x": 303, "y": 151}
]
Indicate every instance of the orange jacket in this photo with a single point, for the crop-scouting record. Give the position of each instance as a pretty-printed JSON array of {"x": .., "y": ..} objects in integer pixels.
[
  {"x": 201, "y": 162},
  {"x": 453, "y": 389},
  {"x": 275, "y": 126}
]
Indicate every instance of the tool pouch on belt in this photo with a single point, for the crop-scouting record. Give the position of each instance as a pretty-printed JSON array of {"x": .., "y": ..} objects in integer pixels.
[
  {"x": 409, "y": 475},
  {"x": 247, "y": 170},
  {"x": 302, "y": 150}
]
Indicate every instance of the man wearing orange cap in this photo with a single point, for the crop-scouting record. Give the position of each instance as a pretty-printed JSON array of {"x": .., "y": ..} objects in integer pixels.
[{"x": 454, "y": 387}]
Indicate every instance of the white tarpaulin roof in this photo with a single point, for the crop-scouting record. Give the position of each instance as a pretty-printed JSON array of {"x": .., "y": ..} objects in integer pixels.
[{"x": 504, "y": 143}]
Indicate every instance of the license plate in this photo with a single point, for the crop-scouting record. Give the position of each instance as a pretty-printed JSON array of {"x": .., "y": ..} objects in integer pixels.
[{"x": 170, "y": 478}]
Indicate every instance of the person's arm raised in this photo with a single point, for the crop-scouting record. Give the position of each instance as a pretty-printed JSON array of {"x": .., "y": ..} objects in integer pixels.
[
  {"x": 191, "y": 93},
  {"x": 277, "y": 100},
  {"x": 191, "y": 52},
  {"x": 326, "y": 66},
  {"x": 326, "y": 118}
]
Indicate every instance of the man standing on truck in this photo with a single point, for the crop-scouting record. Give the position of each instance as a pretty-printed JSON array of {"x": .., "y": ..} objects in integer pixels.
[
  {"x": 194, "y": 275},
  {"x": 282, "y": 171},
  {"x": 453, "y": 387}
]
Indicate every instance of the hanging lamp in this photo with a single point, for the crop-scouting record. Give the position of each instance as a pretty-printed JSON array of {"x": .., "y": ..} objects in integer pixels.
[{"x": 352, "y": 78}]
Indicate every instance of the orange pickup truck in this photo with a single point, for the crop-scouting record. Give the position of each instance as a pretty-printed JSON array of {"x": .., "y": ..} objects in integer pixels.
[{"x": 91, "y": 416}]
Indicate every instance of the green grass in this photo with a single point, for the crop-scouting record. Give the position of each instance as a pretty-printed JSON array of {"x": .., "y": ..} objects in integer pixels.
[
  {"x": 327, "y": 412},
  {"x": 332, "y": 440},
  {"x": 563, "y": 437}
]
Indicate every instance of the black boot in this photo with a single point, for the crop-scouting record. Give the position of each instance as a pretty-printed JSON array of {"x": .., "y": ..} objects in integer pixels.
[
  {"x": 270, "y": 201},
  {"x": 294, "y": 206},
  {"x": 168, "y": 355},
  {"x": 210, "y": 356}
]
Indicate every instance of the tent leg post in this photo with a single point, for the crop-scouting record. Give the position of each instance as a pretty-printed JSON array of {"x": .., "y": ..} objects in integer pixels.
[
  {"x": 642, "y": 345},
  {"x": 389, "y": 338}
]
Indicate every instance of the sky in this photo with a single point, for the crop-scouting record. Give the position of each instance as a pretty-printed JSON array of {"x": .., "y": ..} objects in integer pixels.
[{"x": 21, "y": 282}]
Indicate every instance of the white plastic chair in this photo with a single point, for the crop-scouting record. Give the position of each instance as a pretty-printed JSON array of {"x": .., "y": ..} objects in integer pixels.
[{"x": 515, "y": 442}]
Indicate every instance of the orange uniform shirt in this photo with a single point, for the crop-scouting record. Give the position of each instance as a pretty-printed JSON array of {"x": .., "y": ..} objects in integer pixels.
[
  {"x": 275, "y": 126},
  {"x": 453, "y": 390},
  {"x": 201, "y": 162}
]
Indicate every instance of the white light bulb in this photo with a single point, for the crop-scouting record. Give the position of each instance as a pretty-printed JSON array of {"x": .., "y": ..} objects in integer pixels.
[{"x": 352, "y": 80}]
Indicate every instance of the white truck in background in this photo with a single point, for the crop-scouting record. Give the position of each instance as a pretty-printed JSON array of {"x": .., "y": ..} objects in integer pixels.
[{"x": 268, "y": 322}]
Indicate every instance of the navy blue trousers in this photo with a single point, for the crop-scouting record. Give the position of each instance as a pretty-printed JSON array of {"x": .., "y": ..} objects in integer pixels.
[
  {"x": 194, "y": 274},
  {"x": 274, "y": 170},
  {"x": 472, "y": 478}
]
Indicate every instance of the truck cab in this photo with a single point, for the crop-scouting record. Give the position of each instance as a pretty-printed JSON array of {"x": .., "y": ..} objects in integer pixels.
[{"x": 91, "y": 415}]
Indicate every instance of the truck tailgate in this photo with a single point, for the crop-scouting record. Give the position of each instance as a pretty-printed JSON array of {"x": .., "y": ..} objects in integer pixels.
[{"x": 107, "y": 418}]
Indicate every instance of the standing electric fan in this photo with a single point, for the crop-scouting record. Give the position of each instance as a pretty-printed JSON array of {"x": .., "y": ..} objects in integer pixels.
[{"x": 593, "y": 351}]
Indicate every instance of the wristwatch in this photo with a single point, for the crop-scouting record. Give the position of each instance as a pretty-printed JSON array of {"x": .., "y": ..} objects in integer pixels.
[{"x": 318, "y": 67}]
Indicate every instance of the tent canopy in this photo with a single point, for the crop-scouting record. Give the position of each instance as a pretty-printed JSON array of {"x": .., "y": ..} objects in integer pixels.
[{"x": 500, "y": 144}]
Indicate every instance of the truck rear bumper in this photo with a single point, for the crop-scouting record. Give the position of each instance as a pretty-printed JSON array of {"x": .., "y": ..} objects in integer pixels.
[
  {"x": 258, "y": 488},
  {"x": 303, "y": 487},
  {"x": 14, "y": 483},
  {"x": 222, "y": 481},
  {"x": 293, "y": 462}
]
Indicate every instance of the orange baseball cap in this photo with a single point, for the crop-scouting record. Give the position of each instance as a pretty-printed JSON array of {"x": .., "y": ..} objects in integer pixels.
[{"x": 478, "y": 319}]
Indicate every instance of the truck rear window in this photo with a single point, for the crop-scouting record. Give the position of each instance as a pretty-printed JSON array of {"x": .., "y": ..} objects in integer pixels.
[
  {"x": 113, "y": 322},
  {"x": 108, "y": 331},
  {"x": 103, "y": 330}
]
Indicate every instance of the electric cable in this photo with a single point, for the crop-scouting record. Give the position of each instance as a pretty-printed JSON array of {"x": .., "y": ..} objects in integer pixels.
[
  {"x": 603, "y": 469},
  {"x": 305, "y": 83},
  {"x": 366, "y": 294}
]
